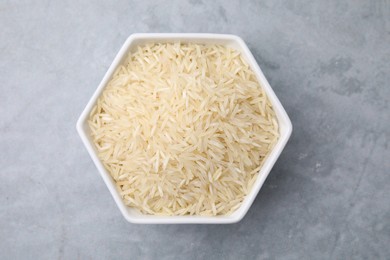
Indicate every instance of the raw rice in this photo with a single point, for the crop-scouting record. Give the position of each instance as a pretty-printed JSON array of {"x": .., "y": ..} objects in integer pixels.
[{"x": 183, "y": 129}]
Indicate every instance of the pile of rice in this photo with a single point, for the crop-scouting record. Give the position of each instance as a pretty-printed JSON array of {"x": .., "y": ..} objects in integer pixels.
[{"x": 183, "y": 129}]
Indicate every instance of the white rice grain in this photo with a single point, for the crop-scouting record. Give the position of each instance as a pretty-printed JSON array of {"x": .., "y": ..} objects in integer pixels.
[{"x": 184, "y": 129}]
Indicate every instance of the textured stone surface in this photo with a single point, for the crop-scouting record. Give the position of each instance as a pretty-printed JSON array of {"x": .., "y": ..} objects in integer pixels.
[{"x": 326, "y": 198}]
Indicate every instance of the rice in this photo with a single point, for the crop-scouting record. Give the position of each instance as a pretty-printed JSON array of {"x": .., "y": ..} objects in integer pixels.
[{"x": 183, "y": 129}]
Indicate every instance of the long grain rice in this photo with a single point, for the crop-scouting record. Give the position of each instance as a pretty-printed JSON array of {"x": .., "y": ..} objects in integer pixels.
[{"x": 183, "y": 129}]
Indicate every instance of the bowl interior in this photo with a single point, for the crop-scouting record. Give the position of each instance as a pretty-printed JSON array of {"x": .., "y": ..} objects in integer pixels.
[{"x": 285, "y": 127}]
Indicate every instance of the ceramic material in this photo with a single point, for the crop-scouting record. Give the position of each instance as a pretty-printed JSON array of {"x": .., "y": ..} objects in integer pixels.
[{"x": 285, "y": 126}]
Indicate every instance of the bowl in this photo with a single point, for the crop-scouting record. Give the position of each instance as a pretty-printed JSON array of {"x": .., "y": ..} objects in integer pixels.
[{"x": 285, "y": 127}]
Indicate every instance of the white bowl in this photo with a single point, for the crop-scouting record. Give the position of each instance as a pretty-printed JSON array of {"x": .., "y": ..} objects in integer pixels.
[{"x": 133, "y": 215}]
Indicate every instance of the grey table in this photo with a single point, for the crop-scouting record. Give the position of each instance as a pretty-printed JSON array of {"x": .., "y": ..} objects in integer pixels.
[{"x": 326, "y": 198}]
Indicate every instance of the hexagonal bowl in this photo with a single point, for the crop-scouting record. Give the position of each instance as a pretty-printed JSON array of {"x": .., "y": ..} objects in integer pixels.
[{"x": 285, "y": 127}]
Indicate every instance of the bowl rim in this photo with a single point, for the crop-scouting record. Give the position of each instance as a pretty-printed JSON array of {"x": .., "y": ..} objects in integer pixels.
[{"x": 264, "y": 171}]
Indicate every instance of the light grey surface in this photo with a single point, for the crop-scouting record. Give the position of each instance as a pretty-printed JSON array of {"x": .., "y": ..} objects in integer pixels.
[{"x": 326, "y": 198}]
